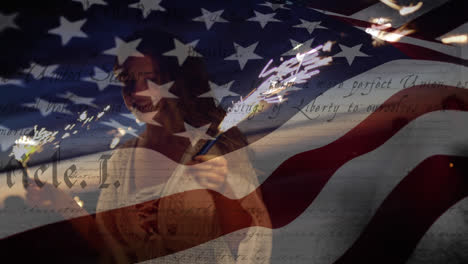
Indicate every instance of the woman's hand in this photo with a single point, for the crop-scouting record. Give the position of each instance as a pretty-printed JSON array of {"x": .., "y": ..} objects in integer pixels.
[{"x": 210, "y": 171}]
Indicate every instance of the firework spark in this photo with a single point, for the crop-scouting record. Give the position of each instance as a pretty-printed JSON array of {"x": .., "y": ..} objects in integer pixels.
[
  {"x": 26, "y": 146},
  {"x": 381, "y": 31},
  {"x": 404, "y": 10},
  {"x": 78, "y": 201}
]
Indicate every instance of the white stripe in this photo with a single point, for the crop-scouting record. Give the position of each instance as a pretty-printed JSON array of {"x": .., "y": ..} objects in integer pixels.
[
  {"x": 454, "y": 51},
  {"x": 447, "y": 239}
]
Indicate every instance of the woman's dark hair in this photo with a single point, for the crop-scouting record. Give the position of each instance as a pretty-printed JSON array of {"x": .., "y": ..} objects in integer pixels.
[{"x": 191, "y": 79}]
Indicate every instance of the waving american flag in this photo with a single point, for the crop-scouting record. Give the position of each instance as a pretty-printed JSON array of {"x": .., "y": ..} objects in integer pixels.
[{"x": 363, "y": 161}]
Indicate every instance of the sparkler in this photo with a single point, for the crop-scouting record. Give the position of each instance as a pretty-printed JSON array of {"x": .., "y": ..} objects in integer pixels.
[
  {"x": 26, "y": 146},
  {"x": 278, "y": 81}
]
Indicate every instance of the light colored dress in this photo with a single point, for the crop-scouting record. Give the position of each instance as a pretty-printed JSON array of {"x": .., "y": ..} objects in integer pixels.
[{"x": 163, "y": 226}]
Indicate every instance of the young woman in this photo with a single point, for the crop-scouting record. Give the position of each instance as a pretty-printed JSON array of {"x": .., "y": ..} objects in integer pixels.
[{"x": 158, "y": 172}]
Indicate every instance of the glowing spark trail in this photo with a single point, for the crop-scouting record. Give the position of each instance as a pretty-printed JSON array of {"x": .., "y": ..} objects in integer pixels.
[
  {"x": 26, "y": 146},
  {"x": 404, "y": 10},
  {"x": 78, "y": 201},
  {"x": 278, "y": 79},
  {"x": 379, "y": 32}
]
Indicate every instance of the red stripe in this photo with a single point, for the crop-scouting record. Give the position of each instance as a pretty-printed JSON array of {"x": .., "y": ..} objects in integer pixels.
[
  {"x": 293, "y": 186},
  {"x": 410, "y": 210}
]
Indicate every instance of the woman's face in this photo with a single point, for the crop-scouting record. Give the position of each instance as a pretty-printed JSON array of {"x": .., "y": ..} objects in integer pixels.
[{"x": 139, "y": 95}]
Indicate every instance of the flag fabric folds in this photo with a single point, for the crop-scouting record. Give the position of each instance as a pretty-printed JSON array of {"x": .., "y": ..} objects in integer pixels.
[{"x": 355, "y": 151}]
